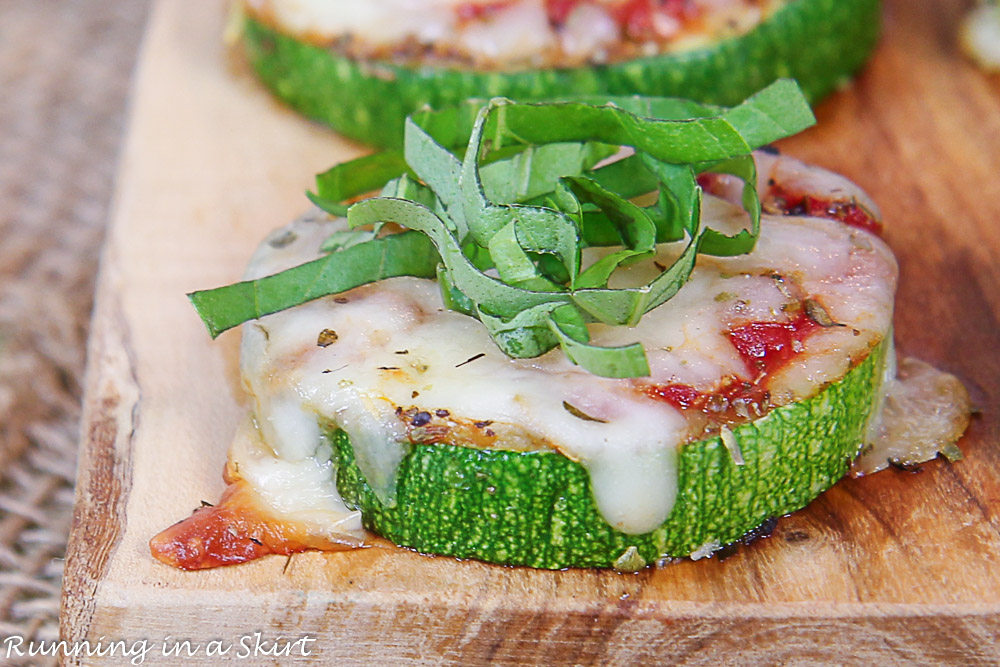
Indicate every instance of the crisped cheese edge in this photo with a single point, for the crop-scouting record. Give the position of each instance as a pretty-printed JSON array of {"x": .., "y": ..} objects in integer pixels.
[{"x": 921, "y": 412}]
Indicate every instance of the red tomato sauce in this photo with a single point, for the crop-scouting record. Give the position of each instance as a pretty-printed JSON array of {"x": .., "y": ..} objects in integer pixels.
[
  {"x": 734, "y": 401},
  {"x": 789, "y": 202},
  {"x": 765, "y": 347},
  {"x": 637, "y": 18},
  {"x": 475, "y": 12},
  {"x": 849, "y": 212}
]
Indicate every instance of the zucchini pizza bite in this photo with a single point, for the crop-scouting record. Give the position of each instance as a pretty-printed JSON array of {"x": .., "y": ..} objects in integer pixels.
[
  {"x": 361, "y": 67},
  {"x": 565, "y": 335}
]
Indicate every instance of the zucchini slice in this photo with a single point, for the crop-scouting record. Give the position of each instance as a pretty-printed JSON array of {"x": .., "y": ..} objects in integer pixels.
[
  {"x": 818, "y": 42},
  {"x": 537, "y": 509}
]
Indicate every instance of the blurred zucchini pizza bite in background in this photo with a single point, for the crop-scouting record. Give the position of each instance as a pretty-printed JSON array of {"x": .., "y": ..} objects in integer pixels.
[
  {"x": 979, "y": 35},
  {"x": 565, "y": 335},
  {"x": 361, "y": 67}
]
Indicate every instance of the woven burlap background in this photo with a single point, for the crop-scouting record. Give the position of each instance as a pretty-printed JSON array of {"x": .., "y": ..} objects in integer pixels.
[{"x": 65, "y": 69}]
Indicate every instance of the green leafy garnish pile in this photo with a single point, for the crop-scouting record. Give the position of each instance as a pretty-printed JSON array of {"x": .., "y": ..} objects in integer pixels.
[{"x": 498, "y": 201}]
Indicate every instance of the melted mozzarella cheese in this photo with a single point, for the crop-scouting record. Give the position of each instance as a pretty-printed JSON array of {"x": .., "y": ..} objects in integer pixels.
[
  {"x": 296, "y": 489},
  {"x": 385, "y": 21},
  {"x": 398, "y": 348}
]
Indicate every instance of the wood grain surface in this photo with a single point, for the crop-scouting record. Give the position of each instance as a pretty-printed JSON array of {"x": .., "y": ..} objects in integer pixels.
[{"x": 893, "y": 569}]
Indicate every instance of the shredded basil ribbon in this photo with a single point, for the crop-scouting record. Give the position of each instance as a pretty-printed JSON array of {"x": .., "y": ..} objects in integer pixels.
[{"x": 500, "y": 199}]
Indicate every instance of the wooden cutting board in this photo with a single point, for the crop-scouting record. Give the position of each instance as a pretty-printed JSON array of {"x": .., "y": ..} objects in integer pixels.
[{"x": 897, "y": 568}]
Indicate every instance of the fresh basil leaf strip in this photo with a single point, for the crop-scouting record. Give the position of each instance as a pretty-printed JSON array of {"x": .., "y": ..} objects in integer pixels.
[{"x": 406, "y": 254}]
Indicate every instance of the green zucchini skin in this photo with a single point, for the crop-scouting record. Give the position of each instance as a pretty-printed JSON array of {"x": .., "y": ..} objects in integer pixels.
[
  {"x": 536, "y": 508},
  {"x": 818, "y": 42}
]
